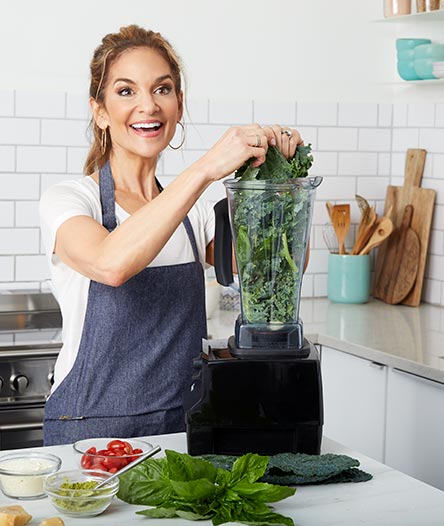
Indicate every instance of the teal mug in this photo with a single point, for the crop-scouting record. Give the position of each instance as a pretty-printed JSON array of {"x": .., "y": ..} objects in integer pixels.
[{"x": 348, "y": 278}]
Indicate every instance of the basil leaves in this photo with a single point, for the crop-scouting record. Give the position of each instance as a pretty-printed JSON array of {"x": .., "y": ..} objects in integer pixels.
[{"x": 192, "y": 488}]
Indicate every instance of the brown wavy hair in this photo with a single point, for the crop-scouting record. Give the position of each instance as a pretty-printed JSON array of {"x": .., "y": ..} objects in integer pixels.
[{"x": 112, "y": 46}]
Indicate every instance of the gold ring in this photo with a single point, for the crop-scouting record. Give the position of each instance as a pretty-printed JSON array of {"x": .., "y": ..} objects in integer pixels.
[
  {"x": 287, "y": 133},
  {"x": 258, "y": 141}
]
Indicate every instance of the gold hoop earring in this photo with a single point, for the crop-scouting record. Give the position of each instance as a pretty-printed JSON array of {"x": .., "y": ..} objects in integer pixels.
[
  {"x": 182, "y": 140},
  {"x": 103, "y": 141}
]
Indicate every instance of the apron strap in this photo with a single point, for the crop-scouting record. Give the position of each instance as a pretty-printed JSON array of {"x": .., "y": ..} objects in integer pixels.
[
  {"x": 188, "y": 228},
  {"x": 106, "y": 186},
  {"x": 107, "y": 200}
]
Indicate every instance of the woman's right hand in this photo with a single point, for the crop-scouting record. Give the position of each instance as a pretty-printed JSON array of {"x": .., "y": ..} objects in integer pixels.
[{"x": 237, "y": 145}]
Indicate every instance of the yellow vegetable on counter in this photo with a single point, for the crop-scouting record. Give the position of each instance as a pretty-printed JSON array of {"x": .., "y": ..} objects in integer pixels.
[
  {"x": 52, "y": 521},
  {"x": 14, "y": 516}
]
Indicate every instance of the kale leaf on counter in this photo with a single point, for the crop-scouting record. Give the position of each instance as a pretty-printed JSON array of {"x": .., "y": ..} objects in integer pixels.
[
  {"x": 302, "y": 469},
  {"x": 272, "y": 236},
  {"x": 194, "y": 489}
]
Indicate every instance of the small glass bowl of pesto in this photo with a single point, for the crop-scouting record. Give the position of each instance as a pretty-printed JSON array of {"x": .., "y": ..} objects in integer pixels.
[{"x": 73, "y": 492}]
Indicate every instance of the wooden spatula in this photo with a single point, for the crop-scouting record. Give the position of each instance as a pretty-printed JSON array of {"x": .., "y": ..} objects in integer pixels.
[
  {"x": 400, "y": 265},
  {"x": 340, "y": 217}
]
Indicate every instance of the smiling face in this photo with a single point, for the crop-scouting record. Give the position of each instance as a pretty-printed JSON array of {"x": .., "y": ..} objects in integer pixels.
[{"x": 141, "y": 106}]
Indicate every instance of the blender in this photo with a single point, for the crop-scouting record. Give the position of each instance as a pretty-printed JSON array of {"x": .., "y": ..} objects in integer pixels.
[{"x": 261, "y": 392}]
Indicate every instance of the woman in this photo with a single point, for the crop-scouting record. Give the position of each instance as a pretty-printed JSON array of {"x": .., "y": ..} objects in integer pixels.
[{"x": 126, "y": 256}]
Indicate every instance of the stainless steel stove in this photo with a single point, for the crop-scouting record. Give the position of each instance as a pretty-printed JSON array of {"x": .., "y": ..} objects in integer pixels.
[{"x": 30, "y": 340}]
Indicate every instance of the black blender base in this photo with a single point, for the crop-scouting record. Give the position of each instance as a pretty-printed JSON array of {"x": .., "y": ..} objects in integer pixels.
[
  {"x": 239, "y": 405},
  {"x": 263, "y": 441}
]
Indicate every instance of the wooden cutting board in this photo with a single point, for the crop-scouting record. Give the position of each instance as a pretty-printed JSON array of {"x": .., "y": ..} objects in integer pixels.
[
  {"x": 400, "y": 266},
  {"x": 422, "y": 200}
]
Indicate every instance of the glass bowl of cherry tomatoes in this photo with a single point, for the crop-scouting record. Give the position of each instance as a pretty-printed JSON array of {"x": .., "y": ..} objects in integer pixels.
[{"x": 109, "y": 454}]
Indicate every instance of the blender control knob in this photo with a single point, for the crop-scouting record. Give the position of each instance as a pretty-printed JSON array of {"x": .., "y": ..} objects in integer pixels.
[
  {"x": 51, "y": 378},
  {"x": 19, "y": 383},
  {"x": 1, "y": 383}
]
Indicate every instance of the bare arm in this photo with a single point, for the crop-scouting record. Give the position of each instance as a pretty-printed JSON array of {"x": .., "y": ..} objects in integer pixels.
[{"x": 113, "y": 258}]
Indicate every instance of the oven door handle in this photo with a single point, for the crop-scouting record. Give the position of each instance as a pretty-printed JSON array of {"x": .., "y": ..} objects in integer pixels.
[{"x": 20, "y": 427}]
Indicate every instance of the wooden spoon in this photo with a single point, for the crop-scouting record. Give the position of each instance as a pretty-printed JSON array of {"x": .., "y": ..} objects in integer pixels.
[
  {"x": 382, "y": 231},
  {"x": 340, "y": 217},
  {"x": 365, "y": 230}
]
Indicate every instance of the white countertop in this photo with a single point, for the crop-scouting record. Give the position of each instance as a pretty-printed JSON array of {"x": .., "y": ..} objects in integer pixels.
[
  {"x": 408, "y": 338},
  {"x": 389, "y": 499}
]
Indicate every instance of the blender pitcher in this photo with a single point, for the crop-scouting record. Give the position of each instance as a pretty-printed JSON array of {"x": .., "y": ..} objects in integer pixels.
[{"x": 268, "y": 224}]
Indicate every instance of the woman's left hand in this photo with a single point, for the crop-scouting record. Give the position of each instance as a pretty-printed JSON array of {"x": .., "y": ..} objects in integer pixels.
[{"x": 286, "y": 139}]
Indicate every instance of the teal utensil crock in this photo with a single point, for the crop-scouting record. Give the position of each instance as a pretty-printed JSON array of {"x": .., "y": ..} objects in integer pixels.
[{"x": 348, "y": 278}]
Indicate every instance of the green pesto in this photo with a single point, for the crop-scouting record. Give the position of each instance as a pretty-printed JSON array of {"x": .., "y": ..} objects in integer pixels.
[{"x": 78, "y": 496}]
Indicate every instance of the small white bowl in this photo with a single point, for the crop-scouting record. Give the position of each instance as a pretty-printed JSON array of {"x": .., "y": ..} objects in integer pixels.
[{"x": 22, "y": 474}]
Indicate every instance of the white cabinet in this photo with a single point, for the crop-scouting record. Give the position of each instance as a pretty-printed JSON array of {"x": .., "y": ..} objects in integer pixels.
[
  {"x": 354, "y": 401},
  {"x": 415, "y": 427}
]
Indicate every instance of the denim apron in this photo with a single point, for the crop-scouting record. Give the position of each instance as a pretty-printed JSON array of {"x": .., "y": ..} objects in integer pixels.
[{"x": 138, "y": 343}]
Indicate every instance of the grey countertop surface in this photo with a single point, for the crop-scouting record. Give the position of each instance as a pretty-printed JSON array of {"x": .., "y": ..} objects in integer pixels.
[{"x": 407, "y": 338}]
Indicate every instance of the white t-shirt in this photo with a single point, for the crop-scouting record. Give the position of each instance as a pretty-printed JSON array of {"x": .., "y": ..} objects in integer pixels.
[{"x": 81, "y": 197}]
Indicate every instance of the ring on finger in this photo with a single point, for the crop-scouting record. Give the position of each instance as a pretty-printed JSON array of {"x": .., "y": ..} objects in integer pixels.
[
  {"x": 287, "y": 133},
  {"x": 258, "y": 141}
]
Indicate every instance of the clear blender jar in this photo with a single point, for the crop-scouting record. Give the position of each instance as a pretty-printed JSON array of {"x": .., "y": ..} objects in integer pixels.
[{"x": 269, "y": 228}]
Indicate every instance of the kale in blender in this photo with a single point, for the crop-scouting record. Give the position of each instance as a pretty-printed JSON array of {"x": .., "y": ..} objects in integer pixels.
[{"x": 271, "y": 239}]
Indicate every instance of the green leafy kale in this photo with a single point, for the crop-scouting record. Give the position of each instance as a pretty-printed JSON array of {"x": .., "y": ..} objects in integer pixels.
[
  {"x": 194, "y": 489},
  {"x": 301, "y": 469},
  {"x": 271, "y": 237},
  {"x": 277, "y": 168}
]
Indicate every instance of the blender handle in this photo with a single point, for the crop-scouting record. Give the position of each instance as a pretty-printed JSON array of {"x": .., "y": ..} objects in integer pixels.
[{"x": 223, "y": 248}]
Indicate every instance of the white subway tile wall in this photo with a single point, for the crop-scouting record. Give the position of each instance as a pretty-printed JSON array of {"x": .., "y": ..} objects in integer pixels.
[{"x": 358, "y": 148}]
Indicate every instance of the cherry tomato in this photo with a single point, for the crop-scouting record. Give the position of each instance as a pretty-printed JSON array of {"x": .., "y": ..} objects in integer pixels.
[
  {"x": 116, "y": 444},
  {"x": 125, "y": 461},
  {"x": 91, "y": 451},
  {"x": 98, "y": 465},
  {"x": 112, "y": 462},
  {"x": 119, "y": 452},
  {"x": 85, "y": 462},
  {"x": 128, "y": 448},
  {"x": 137, "y": 451}
]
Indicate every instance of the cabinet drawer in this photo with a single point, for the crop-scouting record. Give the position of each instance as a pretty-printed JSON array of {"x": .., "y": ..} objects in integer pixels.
[
  {"x": 415, "y": 427},
  {"x": 354, "y": 401}
]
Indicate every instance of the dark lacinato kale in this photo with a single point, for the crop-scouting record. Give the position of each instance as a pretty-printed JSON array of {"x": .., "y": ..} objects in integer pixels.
[
  {"x": 303, "y": 469},
  {"x": 271, "y": 238},
  {"x": 277, "y": 168}
]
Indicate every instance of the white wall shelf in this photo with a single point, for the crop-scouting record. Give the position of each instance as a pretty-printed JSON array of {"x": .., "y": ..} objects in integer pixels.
[
  {"x": 429, "y": 16},
  {"x": 415, "y": 82}
]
